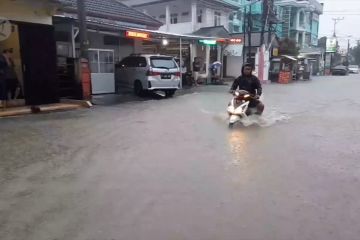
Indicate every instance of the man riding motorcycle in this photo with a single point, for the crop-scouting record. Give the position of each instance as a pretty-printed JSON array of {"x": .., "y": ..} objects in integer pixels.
[{"x": 250, "y": 83}]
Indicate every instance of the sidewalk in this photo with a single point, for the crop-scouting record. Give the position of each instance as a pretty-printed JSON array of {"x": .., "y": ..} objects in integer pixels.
[{"x": 65, "y": 105}]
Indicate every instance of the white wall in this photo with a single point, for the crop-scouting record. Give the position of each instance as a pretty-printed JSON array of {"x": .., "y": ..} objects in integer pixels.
[
  {"x": 234, "y": 65},
  {"x": 181, "y": 28},
  {"x": 178, "y": 7}
]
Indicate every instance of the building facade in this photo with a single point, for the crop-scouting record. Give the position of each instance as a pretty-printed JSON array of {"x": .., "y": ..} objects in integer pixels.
[
  {"x": 31, "y": 38},
  {"x": 187, "y": 16},
  {"x": 300, "y": 21},
  {"x": 107, "y": 23}
]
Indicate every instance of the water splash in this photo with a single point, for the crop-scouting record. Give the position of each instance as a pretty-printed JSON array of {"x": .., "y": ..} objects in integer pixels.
[{"x": 268, "y": 119}]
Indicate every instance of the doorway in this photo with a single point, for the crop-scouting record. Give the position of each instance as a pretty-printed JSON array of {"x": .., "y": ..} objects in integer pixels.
[
  {"x": 15, "y": 81},
  {"x": 38, "y": 54}
]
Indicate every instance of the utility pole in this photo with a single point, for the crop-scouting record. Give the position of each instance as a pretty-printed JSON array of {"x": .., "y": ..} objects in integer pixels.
[
  {"x": 336, "y": 21},
  {"x": 249, "y": 32},
  {"x": 244, "y": 30},
  {"x": 84, "y": 42},
  {"x": 348, "y": 50},
  {"x": 265, "y": 16}
]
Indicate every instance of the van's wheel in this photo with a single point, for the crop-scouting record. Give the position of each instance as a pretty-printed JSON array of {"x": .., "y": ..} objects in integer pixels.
[
  {"x": 138, "y": 89},
  {"x": 169, "y": 93}
]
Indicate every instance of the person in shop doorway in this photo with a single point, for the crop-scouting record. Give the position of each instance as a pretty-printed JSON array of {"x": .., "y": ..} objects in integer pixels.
[
  {"x": 3, "y": 88},
  {"x": 12, "y": 83},
  {"x": 196, "y": 69}
]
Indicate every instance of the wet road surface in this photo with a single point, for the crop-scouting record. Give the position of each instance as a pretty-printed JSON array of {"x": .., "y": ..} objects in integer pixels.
[{"x": 171, "y": 169}]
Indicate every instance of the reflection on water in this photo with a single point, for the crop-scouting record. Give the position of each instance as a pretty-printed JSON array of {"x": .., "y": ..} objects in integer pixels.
[{"x": 238, "y": 143}]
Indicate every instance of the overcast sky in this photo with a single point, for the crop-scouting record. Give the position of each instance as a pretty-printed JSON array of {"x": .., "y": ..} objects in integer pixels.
[{"x": 350, "y": 10}]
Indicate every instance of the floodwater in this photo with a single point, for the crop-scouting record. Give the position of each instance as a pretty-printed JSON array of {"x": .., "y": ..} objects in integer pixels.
[{"x": 172, "y": 169}]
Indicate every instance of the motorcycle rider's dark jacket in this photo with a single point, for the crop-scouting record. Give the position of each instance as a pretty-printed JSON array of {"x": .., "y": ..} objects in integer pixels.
[{"x": 248, "y": 83}]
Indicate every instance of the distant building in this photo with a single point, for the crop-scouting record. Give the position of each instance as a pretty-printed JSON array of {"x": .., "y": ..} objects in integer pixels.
[
  {"x": 186, "y": 16},
  {"x": 300, "y": 21}
]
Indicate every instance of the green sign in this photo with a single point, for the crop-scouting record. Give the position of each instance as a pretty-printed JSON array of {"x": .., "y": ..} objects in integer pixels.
[
  {"x": 331, "y": 45},
  {"x": 208, "y": 42}
]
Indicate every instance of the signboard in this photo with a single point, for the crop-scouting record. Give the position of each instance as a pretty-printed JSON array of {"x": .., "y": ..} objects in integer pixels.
[
  {"x": 208, "y": 42},
  {"x": 331, "y": 45},
  {"x": 236, "y": 41},
  {"x": 234, "y": 50},
  {"x": 5, "y": 29},
  {"x": 133, "y": 34}
]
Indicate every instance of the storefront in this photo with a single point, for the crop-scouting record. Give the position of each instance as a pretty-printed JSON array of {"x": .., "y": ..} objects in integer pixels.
[{"x": 31, "y": 41}]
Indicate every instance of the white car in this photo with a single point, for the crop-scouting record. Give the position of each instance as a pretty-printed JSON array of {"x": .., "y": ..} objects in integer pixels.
[
  {"x": 144, "y": 72},
  {"x": 354, "y": 69}
]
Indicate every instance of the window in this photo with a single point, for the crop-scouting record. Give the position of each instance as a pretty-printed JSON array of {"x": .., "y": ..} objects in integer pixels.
[
  {"x": 217, "y": 19},
  {"x": 111, "y": 40},
  {"x": 101, "y": 61},
  {"x": 174, "y": 18},
  {"x": 106, "y": 61},
  {"x": 184, "y": 14},
  {"x": 200, "y": 16},
  {"x": 301, "y": 19},
  {"x": 140, "y": 62},
  {"x": 133, "y": 62},
  {"x": 161, "y": 62},
  {"x": 162, "y": 16}
]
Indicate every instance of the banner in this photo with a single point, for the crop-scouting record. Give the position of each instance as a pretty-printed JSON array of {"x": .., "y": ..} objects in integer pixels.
[{"x": 331, "y": 45}]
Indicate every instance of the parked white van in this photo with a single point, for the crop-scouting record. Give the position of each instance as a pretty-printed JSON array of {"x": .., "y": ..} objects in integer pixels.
[{"x": 144, "y": 72}]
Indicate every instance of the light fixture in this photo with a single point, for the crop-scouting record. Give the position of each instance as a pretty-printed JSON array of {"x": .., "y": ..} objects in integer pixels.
[{"x": 165, "y": 42}]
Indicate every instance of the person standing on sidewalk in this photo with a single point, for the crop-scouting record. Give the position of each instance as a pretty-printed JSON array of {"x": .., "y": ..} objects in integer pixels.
[
  {"x": 11, "y": 79},
  {"x": 3, "y": 87},
  {"x": 196, "y": 69}
]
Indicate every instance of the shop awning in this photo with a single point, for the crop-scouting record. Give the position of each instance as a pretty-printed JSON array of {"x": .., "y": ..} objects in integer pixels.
[
  {"x": 214, "y": 32},
  {"x": 289, "y": 57}
]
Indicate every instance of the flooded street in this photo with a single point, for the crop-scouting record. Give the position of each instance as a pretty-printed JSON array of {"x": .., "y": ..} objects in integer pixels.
[{"x": 172, "y": 169}]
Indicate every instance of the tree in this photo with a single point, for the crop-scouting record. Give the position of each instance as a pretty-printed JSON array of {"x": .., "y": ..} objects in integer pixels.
[
  {"x": 288, "y": 47},
  {"x": 355, "y": 53}
]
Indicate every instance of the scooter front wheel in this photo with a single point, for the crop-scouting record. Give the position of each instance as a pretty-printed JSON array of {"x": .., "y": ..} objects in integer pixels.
[{"x": 231, "y": 125}]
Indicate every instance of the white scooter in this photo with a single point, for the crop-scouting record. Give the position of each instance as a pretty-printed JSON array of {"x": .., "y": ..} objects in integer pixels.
[{"x": 238, "y": 108}]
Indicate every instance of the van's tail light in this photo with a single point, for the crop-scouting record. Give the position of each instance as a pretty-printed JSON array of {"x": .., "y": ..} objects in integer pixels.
[
  {"x": 152, "y": 73},
  {"x": 178, "y": 74}
]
